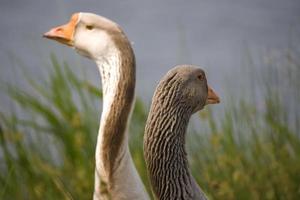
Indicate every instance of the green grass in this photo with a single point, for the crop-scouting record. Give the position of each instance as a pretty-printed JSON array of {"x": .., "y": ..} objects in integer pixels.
[{"x": 246, "y": 153}]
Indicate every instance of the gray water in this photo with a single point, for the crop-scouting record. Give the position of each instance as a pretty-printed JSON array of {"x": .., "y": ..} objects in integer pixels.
[{"x": 213, "y": 34}]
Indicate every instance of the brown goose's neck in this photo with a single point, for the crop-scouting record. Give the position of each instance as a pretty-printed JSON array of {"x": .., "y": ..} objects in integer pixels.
[
  {"x": 164, "y": 145},
  {"x": 165, "y": 153}
]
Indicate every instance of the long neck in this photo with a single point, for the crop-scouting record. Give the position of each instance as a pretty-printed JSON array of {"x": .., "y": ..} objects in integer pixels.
[
  {"x": 164, "y": 147},
  {"x": 114, "y": 165},
  {"x": 118, "y": 82}
]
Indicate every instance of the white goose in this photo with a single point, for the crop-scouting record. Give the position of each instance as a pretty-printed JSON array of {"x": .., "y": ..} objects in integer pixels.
[{"x": 104, "y": 42}]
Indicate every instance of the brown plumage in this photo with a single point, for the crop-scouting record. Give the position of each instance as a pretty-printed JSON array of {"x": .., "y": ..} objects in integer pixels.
[{"x": 182, "y": 92}]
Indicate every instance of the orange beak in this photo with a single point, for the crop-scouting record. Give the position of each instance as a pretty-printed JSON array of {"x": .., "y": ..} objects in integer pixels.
[
  {"x": 65, "y": 33},
  {"x": 212, "y": 97}
]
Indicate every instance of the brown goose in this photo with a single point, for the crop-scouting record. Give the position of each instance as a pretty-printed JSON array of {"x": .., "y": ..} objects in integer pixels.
[
  {"x": 104, "y": 42},
  {"x": 182, "y": 92}
]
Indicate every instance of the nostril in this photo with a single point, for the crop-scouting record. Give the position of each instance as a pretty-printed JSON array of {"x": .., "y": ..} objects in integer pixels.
[{"x": 58, "y": 29}]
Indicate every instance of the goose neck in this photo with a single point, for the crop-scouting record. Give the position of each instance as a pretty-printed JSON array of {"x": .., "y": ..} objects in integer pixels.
[
  {"x": 118, "y": 82},
  {"x": 165, "y": 153}
]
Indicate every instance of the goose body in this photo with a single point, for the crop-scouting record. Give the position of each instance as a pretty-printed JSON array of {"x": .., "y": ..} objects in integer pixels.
[
  {"x": 182, "y": 92},
  {"x": 103, "y": 41}
]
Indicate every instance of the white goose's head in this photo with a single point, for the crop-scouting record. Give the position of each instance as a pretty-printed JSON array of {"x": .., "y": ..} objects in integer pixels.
[{"x": 91, "y": 35}]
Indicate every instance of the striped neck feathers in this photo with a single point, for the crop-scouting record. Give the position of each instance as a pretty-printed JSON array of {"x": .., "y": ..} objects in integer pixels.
[{"x": 164, "y": 143}]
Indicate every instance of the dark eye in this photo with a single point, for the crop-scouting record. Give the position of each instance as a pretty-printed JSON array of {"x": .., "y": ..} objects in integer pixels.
[
  {"x": 89, "y": 27},
  {"x": 200, "y": 77}
]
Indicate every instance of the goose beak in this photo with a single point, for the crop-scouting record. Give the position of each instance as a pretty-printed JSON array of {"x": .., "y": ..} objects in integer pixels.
[
  {"x": 64, "y": 33},
  {"x": 212, "y": 97}
]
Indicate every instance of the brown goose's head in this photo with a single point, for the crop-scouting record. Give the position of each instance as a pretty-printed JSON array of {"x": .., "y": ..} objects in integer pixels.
[
  {"x": 91, "y": 35},
  {"x": 191, "y": 87}
]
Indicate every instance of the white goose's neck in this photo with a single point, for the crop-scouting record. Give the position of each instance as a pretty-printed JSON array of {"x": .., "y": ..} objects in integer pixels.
[
  {"x": 116, "y": 175},
  {"x": 109, "y": 68}
]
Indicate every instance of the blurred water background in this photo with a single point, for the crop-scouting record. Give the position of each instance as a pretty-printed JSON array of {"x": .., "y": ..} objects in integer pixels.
[{"x": 212, "y": 34}]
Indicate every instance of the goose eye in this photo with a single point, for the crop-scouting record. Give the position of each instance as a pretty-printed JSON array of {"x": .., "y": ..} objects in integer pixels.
[
  {"x": 89, "y": 27},
  {"x": 200, "y": 77}
]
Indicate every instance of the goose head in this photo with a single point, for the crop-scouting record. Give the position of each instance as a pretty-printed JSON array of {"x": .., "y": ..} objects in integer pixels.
[
  {"x": 91, "y": 35},
  {"x": 192, "y": 86}
]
